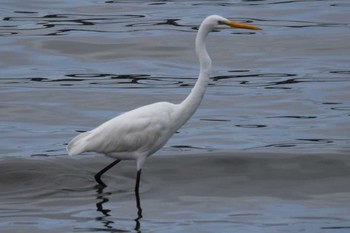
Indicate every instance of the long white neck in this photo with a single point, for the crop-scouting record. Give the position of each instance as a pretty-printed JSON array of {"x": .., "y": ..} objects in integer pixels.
[{"x": 189, "y": 105}]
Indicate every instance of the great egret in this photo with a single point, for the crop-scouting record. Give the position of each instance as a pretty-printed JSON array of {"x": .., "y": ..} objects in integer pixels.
[{"x": 139, "y": 133}]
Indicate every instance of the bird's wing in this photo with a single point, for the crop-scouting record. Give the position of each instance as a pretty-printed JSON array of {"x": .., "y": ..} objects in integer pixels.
[{"x": 140, "y": 130}]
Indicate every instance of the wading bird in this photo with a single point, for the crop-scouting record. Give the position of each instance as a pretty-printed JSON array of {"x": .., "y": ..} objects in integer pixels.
[{"x": 139, "y": 133}]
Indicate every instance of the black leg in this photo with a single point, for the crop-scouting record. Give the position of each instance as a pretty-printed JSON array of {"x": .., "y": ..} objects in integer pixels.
[
  {"x": 138, "y": 202},
  {"x": 137, "y": 194},
  {"x": 138, "y": 181},
  {"x": 100, "y": 173}
]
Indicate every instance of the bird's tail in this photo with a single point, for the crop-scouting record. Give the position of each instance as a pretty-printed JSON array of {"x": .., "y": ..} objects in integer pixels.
[{"x": 78, "y": 144}]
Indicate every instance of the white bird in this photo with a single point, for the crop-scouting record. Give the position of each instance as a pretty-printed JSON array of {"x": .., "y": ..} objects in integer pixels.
[{"x": 139, "y": 133}]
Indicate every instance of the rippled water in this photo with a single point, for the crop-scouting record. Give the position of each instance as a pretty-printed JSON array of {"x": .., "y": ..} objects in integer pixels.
[{"x": 66, "y": 66}]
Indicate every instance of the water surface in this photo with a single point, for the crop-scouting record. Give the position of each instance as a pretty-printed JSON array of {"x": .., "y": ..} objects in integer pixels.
[{"x": 67, "y": 66}]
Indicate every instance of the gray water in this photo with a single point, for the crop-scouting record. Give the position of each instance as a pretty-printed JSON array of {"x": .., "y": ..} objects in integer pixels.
[{"x": 267, "y": 151}]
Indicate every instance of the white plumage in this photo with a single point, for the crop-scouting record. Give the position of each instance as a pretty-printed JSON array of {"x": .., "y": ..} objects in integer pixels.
[
  {"x": 133, "y": 135},
  {"x": 139, "y": 133}
]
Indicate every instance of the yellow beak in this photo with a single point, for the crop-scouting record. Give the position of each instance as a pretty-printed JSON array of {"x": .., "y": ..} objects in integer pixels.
[{"x": 241, "y": 25}]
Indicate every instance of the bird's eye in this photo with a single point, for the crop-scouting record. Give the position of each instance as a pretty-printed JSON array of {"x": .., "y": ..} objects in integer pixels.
[{"x": 220, "y": 22}]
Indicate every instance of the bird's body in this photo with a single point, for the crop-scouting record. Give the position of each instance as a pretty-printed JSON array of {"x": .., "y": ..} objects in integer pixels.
[
  {"x": 132, "y": 135},
  {"x": 139, "y": 133}
]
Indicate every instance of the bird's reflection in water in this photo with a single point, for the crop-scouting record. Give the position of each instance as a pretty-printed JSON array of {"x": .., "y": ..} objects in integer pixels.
[
  {"x": 139, "y": 211},
  {"x": 102, "y": 198}
]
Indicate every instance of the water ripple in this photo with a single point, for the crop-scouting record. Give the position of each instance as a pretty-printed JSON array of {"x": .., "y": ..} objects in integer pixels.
[
  {"x": 276, "y": 97},
  {"x": 59, "y": 24}
]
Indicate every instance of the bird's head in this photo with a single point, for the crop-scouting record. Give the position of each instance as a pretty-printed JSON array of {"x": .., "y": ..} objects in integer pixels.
[{"x": 215, "y": 22}]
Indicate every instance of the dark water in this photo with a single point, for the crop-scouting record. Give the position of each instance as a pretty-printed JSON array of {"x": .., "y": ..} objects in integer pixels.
[
  {"x": 189, "y": 193},
  {"x": 66, "y": 66}
]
